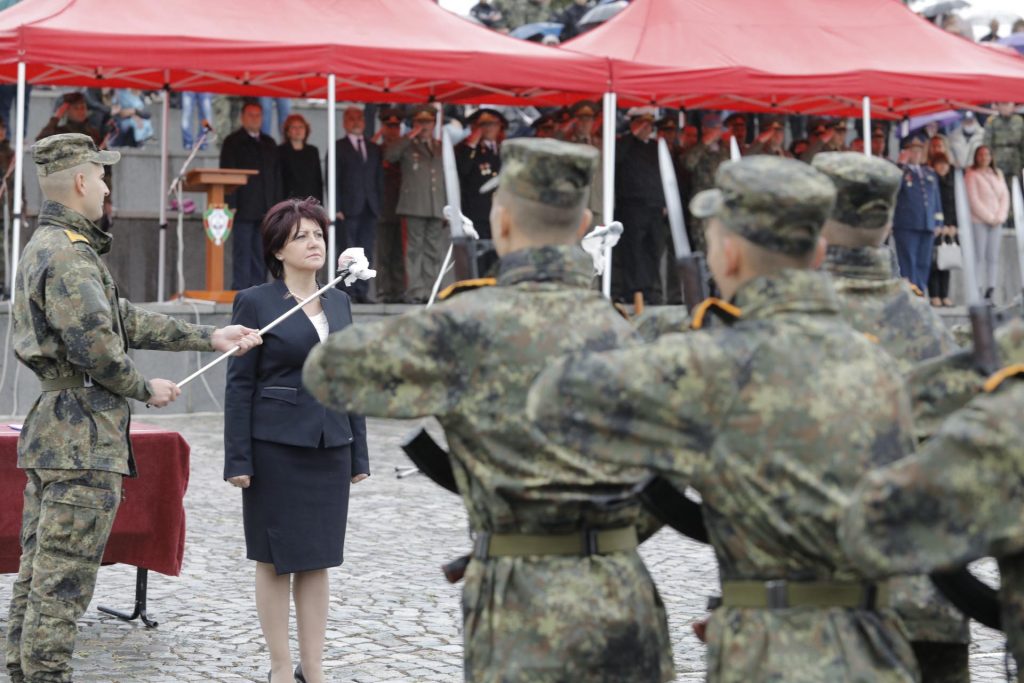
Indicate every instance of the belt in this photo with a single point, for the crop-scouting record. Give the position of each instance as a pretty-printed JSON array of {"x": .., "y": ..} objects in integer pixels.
[
  {"x": 75, "y": 381},
  {"x": 582, "y": 543},
  {"x": 781, "y": 594}
]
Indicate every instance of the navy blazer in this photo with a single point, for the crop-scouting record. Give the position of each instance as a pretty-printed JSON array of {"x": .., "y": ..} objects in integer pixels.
[
  {"x": 359, "y": 184},
  {"x": 918, "y": 204},
  {"x": 265, "y": 399}
]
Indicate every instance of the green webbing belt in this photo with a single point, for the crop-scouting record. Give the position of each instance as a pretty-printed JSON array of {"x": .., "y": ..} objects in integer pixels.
[
  {"x": 586, "y": 542},
  {"x": 74, "y": 381},
  {"x": 821, "y": 594}
]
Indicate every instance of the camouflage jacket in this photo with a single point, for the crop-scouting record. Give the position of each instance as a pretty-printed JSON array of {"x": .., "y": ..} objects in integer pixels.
[
  {"x": 470, "y": 361},
  {"x": 68, "y": 318},
  {"x": 1004, "y": 135},
  {"x": 773, "y": 419},
  {"x": 701, "y": 162},
  {"x": 516, "y": 13},
  {"x": 956, "y": 500},
  {"x": 876, "y": 301}
]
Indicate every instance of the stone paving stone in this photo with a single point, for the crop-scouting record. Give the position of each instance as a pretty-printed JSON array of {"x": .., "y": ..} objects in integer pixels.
[{"x": 393, "y": 617}]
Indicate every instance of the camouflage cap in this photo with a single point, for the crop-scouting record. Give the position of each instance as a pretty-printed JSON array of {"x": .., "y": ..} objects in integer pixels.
[
  {"x": 866, "y": 187},
  {"x": 779, "y": 204},
  {"x": 545, "y": 170},
  {"x": 67, "y": 150}
]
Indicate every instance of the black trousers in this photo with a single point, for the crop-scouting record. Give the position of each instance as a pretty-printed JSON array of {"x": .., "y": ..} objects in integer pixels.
[
  {"x": 637, "y": 258},
  {"x": 359, "y": 231},
  {"x": 247, "y": 267}
]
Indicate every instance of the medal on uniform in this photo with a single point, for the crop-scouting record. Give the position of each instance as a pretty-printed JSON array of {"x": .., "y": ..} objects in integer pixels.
[
  {"x": 485, "y": 169},
  {"x": 217, "y": 221}
]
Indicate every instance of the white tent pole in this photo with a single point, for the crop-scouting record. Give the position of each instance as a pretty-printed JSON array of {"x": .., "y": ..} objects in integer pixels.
[
  {"x": 608, "y": 181},
  {"x": 161, "y": 264},
  {"x": 332, "y": 205},
  {"x": 867, "y": 126},
  {"x": 19, "y": 171}
]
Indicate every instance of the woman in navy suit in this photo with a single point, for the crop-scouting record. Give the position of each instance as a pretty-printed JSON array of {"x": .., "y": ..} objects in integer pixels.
[{"x": 293, "y": 458}]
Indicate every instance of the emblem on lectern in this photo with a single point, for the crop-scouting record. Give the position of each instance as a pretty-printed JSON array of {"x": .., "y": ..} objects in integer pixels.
[{"x": 217, "y": 220}]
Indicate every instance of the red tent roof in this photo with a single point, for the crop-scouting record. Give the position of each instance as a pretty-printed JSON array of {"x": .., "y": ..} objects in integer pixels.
[
  {"x": 381, "y": 50},
  {"x": 815, "y": 57}
]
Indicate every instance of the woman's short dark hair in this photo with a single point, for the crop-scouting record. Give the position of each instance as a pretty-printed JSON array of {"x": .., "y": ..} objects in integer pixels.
[
  {"x": 293, "y": 118},
  {"x": 281, "y": 221},
  {"x": 974, "y": 159}
]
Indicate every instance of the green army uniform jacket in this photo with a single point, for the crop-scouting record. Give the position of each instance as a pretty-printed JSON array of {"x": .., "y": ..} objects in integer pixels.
[
  {"x": 876, "y": 301},
  {"x": 69, "y": 319},
  {"x": 422, "y": 190},
  {"x": 956, "y": 500},
  {"x": 1004, "y": 135},
  {"x": 470, "y": 361},
  {"x": 773, "y": 419}
]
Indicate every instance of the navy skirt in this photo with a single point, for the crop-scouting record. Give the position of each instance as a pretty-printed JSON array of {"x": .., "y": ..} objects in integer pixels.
[{"x": 296, "y": 507}]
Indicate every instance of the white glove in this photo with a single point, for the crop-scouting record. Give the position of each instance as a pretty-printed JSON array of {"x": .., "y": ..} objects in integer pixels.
[
  {"x": 354, "y": 262},
  {"x": 467, "y": 225},
  {"x": 599, "y": 240}
]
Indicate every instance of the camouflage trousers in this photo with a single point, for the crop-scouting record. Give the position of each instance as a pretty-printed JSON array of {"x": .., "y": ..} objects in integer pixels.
[{"x": 65, "y": 524}]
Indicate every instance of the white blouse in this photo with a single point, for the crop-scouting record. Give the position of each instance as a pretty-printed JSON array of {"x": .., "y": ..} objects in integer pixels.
[{"x": 320, "y": 323}]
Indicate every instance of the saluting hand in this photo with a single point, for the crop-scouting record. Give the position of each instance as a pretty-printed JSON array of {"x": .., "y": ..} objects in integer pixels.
[
  {"x": 242, "y": 481},
  {"x": 236, "y": 335}
]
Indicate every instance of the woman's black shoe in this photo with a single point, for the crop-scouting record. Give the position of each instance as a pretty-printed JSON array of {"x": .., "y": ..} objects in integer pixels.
[
  {"x": 989, "y": 292},
  {"x": 299, "y": 678}
]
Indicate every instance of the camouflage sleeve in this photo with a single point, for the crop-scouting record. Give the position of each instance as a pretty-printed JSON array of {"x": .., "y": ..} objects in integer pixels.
[
  {"x": 402, "y": 367},
  {"x": 148, "y": 330},
  {"x": 617, "y": 405},
  {"x": 78, "y": 309},
  {"x": 653, "y": 323},
  {"x": 954, "y": 501}
]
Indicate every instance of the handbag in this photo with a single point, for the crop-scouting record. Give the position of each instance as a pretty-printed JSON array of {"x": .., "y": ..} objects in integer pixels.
[{"x": 948, "y": 255}]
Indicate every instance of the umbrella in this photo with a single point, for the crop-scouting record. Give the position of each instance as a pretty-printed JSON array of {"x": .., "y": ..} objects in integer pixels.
[
  {"x": 537, "y": 31},
  {"x": 600, "y": 14},
  {"x": 933, "y": 8}
]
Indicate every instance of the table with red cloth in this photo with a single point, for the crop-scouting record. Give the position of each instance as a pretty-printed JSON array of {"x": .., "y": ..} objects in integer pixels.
[{"x": 149, "y": 530}]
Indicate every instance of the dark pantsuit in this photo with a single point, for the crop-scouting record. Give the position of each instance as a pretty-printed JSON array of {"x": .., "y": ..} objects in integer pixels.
[
  {"x": 360, "y": 231},
  {"x": 247, "y": 267},
  {"x": 636, "y": 259},
  {"x": 66, "y": 521},
  {"x": 914, "y": 253}
]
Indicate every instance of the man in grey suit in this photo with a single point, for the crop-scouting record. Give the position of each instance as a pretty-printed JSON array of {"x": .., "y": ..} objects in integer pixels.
[{"x": 421, "y": 202}]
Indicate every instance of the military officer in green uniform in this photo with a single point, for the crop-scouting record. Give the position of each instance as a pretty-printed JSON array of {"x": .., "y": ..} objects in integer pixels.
[
  {"x": 875, "y": 300},
  {"x": 772, "y": 417},
  {"x": 73, "y": 331},
  {"x": 556, "y": 591},
  {"x": 1004, "y": 135},
  {"x": 959, "y": 498}
]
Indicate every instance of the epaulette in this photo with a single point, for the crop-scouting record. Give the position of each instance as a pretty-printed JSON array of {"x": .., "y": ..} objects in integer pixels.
[
  {"x": 915, "y": 289},
  {"x": 75, "y": 237},
  {"x": 723, "y": 309},
  {"x": 465, "y": 286},
  {"x": 993, "y": 382}
]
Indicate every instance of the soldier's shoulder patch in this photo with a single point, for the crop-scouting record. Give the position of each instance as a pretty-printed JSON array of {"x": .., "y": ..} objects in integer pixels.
[
  {"x": 915, "y": 289},
  {"x": 465, "y": 286},
  {"x": 723, "y": 309},
  {"x": 75, "y": 237},
  {"x": 993, "y": 382}
]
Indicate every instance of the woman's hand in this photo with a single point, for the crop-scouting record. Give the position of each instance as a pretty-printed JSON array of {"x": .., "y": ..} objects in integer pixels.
[
  {"x": 356, "y": 479},
  {"x": 242, "y": 481}
]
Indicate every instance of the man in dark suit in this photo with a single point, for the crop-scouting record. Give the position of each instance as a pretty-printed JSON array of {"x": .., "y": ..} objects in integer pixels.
[
  {"x": 478, "y": 160},
  {"x": 247, "y": 147},
  {"x": 918, "y": 215},
  {"x": 359, "y": 183}
]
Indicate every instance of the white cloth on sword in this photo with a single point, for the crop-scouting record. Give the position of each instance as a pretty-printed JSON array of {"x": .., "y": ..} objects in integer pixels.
[
  {"x": 355, "y": 262},
  {"x": 599, "y": 240}
]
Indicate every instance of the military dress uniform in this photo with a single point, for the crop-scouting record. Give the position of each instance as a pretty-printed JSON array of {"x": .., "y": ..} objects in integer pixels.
[
  {"x": 421, "y": 202},
  {"x": 958, "y": 498},
  {"x": 556, "y": 591},
  {"x": 918, "y": 215},
  {"x": 772, "y": 418},
  {"x": 1004, "y": 136},
  {"x": 876, "y": 301},
  {"x": 73, "y": 331}
]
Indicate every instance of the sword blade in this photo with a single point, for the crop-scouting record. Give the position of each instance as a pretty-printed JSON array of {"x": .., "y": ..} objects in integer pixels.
[
  {"x": 673, "y": 202},
  {"x": 1018, "y": 224},
  {"x": 451, "y": 183},
  {"x": 966, "y": 230}
]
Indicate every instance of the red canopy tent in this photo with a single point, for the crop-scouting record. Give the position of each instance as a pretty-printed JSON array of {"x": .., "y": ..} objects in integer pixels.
[
  {"x": 817, "y": 57},
  {"x": 380, "y": 50}
]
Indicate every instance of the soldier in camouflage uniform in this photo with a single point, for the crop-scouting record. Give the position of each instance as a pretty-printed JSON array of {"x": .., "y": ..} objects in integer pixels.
[
  {"x": 773, "y": 419},
  {"x": 516, "y": 13},
  {"x": 701, "y": 162},
  {"x": 73, "y": 331},
  {"x": 1004, "y": 135},
  {"x": 556, "y": 591},
  {"x": 875, "y": 300},
  {"x": 957, "y": 499}
]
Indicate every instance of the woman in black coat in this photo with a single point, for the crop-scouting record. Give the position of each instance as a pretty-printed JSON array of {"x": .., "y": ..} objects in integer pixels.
[
  {"x": 299, "y": 162},
  {"x": 293, "y": 458}
]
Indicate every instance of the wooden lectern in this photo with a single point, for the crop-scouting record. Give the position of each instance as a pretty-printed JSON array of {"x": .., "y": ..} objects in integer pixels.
[{"x": 215, "y": 182}]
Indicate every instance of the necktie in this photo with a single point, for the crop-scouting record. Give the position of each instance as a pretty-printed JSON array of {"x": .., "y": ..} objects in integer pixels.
[{"x": 362, "y": 150}]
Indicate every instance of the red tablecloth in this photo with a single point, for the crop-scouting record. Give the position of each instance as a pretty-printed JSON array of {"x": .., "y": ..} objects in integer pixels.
[{"x": 149, "y": 530}]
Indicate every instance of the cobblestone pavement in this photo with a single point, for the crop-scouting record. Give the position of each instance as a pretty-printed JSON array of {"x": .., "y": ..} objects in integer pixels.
[{"x": 392, "y": 615}]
